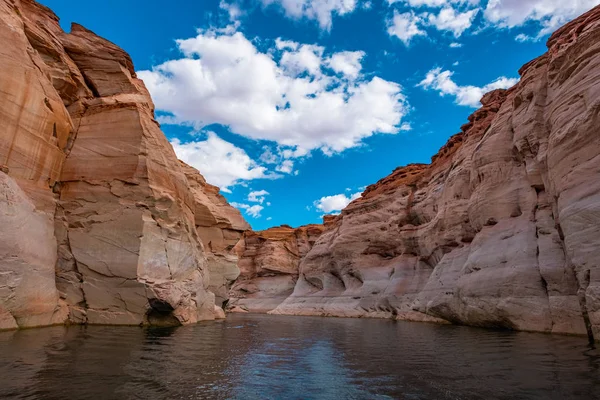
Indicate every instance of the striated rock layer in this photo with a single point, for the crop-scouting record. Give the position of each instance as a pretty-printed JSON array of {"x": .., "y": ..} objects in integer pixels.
[
  {"x": 269, "y": 262},
  {"x": 100, "y": 221},
  {"x": 502, "y": 229}
]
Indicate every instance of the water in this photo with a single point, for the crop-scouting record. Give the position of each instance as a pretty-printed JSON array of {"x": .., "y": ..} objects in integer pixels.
[{"x": 275, "y": 357}]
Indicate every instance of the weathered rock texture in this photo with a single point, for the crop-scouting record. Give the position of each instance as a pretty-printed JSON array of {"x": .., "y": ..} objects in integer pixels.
[
  {"x": 269, "y": 262},
  {"x": 220, "y": 226},
  {"x": 502, "y": 229},
  {"x": 98, "y": 217}
]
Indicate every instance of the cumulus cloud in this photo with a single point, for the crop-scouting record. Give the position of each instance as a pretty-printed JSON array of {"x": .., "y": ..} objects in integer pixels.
[
  {"x": 459, "y": 15},
  {"x": 321, "y": 11},
  {"x": 442, "y": 82},
  {"x": 335, "y": 203},
  {"x": 433, "y": 3},
  {"x": 220, "y": 162},
  {"x": 455, "y": 45},
  {"x": 257, "y": 196},
  {"x": 232, "y": 9},
  {"x": 299, "y": 96},
  {"x": 448, "y": 19},
  {"x": 405, "y": 26},
  {"x": 549, "y": 13},
  {"x": 286, "y": 166},
  {"x": 253, "y": 211},
  {"x": 347, "y": 63}
]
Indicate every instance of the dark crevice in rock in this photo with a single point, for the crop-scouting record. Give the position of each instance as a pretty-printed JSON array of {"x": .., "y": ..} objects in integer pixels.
[
  {"x": 161, "y": 313},
  {"x": 584, "y": 282}
]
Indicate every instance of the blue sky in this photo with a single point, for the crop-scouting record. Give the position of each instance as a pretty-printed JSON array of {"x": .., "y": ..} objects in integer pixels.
[{"x": 293, "y": 106}]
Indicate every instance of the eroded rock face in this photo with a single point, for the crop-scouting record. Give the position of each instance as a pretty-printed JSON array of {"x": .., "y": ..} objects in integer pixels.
[
  {"x": 98, "y": 216},
  {"x": 502, "y": 229},
  {"x": 269, "y": 262},
  {"x": 220, "y": 226}
]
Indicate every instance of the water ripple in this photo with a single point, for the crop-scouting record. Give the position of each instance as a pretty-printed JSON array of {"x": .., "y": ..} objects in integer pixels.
[{"x": 275, "y": 357}]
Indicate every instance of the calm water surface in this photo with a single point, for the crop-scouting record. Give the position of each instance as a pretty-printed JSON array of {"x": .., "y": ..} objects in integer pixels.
[{"x": 274, "y": 357}]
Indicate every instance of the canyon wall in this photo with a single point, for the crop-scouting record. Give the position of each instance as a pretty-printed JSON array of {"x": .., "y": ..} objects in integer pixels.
[
  {"x": 501, "y": 230},
  {"x": 220, "y": 226},
  {"x": 100, "y": 223},
  {"x": 269, "y": 261}
]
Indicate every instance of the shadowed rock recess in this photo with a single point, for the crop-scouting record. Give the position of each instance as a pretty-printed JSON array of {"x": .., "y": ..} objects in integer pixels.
[{"x": 99, "y": 221}]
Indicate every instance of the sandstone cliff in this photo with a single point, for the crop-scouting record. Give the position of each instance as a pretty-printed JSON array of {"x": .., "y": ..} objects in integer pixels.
[
  {"x": 269, "y": 261},
  {"x": 100, "y": 223},
  {"x": 220, "y": 226},
  {"x": 502, "y": 229}
]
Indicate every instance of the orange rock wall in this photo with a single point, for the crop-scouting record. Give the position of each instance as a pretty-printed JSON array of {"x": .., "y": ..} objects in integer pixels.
[
  {"x": 269, "y": 262},
  {"x": 116, "y": 221}
]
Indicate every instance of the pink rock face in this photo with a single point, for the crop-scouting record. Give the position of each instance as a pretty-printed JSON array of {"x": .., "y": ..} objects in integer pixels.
[
  {"x": 269, "y": 261},
  {"x": 110, "y": 214},
  {"x": 502, "y": 229}
]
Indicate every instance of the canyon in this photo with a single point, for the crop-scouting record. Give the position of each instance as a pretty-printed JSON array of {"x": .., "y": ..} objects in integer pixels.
[
  {"x": 500, "y": 230},
  {"x": 100, "y": 223}
]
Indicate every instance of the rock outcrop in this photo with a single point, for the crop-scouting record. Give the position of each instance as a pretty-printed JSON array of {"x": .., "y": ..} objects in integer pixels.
[
  {"x": 99, "y": 218},
  {"x": 220, "y": 226},
  {"x": 269, "y": 262},
  {"x": 502, "y": 229}
]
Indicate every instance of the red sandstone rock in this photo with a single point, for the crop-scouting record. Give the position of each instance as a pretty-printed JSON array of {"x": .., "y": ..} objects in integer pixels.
[
  {"x": 111, "y": 211},
  {"x": 269, "y": 263}
]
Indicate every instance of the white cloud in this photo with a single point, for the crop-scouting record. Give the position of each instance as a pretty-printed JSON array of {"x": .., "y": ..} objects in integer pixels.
[
  {"x": 253, "y": 211},
  {"x": 348, "y": 63},
  {"x": 455, "y": 45},
  {"x": 222, "y": 78},
  {"x": 367, "y": 5},
  {"x": 268, "y": 157},
  {"x": 269, "y": 218},
  {"x": 549, "y": 13},
  {"x": 434, "y": 3},
  {"x": 336, "y": 202},
  {"x": 405, "y": 26},
  {"x": 220, "y": 162},
  {"x": 521, "y": 37},
  {"x": 233, "y": 10},
  {"x": 306, "y": 58},
  {"x": 441, "y": 81},
  {"x": 320, "y": 10},
  {"x": 281, "y": 44},
  {"x": 286, "y": 166},
  {"x": 448, "y": 19},
  {"x": 257, "y": 196}
]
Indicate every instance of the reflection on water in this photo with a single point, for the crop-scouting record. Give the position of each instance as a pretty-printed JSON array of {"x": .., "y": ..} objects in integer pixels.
[{"x": 275, "y": 357}]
